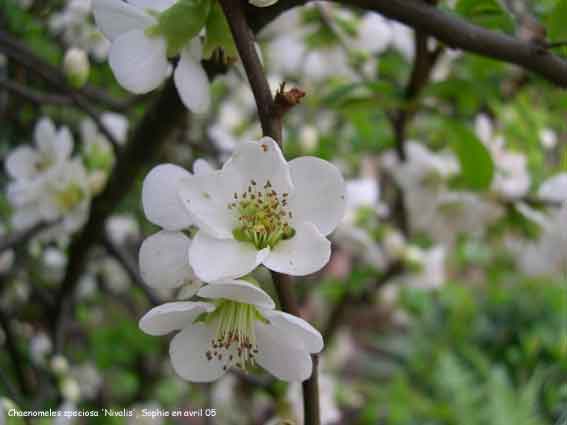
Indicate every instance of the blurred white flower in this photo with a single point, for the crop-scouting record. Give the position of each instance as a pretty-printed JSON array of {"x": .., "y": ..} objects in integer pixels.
[
  {"x": 374, "y": 33},
  {"x": 548, "y": 138},
  {"x": 239, "y": 329},
  {"x": 40, "y": 347},
  {"x": 88, "y": 378},
  {"x": 259, "y": 209},
  {"x": 554, "y": 189},
  {"x": 59, "y": 364},
  {"x": 70, "y": 389},
  {"x": 139, "y": 59},
  {"x": 123, "y": 228}
]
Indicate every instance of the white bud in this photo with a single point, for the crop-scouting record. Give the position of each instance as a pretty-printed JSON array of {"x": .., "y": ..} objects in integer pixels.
[
  {"x": 70, "y": 389},
  {"x": 263, "y": 3},
  {"x": 548, "y": 138},
  {"x": 59, "y": 364},
  {"x": 309, "y": 138},
  {"x": 394, "y": 244},
  {"x": 76, "y": 67}
]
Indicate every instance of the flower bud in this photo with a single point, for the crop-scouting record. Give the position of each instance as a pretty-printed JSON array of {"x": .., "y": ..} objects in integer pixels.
[
  {"x": 70, "y": 389},
  {"x": 59, "y": 364},
  {"x": 76, "y": 67}
]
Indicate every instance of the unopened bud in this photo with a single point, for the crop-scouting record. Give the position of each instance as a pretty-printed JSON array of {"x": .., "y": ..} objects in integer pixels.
[{"x": 76, "y": 67}]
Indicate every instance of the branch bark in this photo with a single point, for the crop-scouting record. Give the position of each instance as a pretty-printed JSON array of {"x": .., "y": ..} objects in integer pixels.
[{"x": 271, "y": 121}]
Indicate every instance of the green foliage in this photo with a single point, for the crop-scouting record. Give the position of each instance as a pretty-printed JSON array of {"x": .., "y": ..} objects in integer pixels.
[
  {"x": 487, "y": 13},
  {"x": 218, "y": 34},
  {"x": 476, "y": 165},
  {"x": 556, "y": 28}
]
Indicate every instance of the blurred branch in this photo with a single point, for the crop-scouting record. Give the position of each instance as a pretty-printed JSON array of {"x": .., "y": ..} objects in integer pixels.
[
  {"x": 128, "y": 263},
  {"x": 18, "y": 238},
  {"x": 271, "y": 116},
  {"x": 449, "y": 29},
  {"x": 34, "y": 96},
  {"x": 348, "y": 298}
]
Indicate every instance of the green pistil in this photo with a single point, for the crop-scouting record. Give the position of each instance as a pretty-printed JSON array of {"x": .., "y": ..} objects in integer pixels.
[
  {"x": 234, "y": 342},
  {"x": 262, "y": 216},
  {"x": 69, "y": 197}
]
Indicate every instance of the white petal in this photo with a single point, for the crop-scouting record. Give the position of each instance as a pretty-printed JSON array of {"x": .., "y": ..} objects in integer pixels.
[
  {"x": 115, "y": 17},
  {"x": 25, "y": 218},
  {"x": 192, "y": 83},
  {"x": 160, "y": 197},
  {"x": 139, "y": 62},
  {"x": 157, "y": 5},
  {"x": 188, "y": 354},
  {"x": 260, "y": 161},
  {"x": 554, "y": 189},
  {"x": 20, "y": 163},
  {"x": 201, "y": 166},
  {"x": 169, "y": 317},
  {"x": 44, "y": 133},
  {"x": 319, "y": 195},
  {"x": 296, "y": 327},
  {"x": 307, "y": 252},
  {"x": 206, "y": 197},
  {"x": 215, "y": 259},
  {"x": 280, "y": 356},
  {"x": 237, "y": 290},
  {"x": 262, "y": 3},
  {"x": 164, "y": 260},
  {"x": 63, "y": 144}
]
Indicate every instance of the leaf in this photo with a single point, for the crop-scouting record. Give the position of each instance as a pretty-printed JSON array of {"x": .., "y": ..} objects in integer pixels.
[
  {"x": 486, "y": 13},
  {"x": 181, "y": 22},
  {"x": 218, "y": 34},
  {"x": 556, "y": 28},
  {"x": 477, "y": 167}
]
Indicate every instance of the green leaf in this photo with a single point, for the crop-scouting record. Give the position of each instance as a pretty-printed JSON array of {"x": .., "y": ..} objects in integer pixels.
[
  {"x": 180, "y": 23},
  {"x": 486, "y": 13},
  {"x": 556, "y": 28},
  {"x": 477, "y": 167},
  {"x": 218, "y": 34}
]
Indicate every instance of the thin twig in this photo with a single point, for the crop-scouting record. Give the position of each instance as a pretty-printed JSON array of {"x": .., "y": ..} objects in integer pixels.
[
  {"x": 34, "y": 96},
  {"x": 131, "y": 268},
  {"x": 13, "y": 352}
]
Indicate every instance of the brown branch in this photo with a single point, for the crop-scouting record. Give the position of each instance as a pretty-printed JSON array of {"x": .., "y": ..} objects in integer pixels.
[
  {"x": 244, "y": 40},
  {"x": 448, "y": 28},
  {"x": 130, "y": 266},
  {"x": 271, "y": 120}
]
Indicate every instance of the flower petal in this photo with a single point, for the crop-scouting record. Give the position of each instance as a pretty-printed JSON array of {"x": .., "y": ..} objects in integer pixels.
[
  {"x": 160, "y": 197},
  {"x": 202, "y": 166},
  {"x": 259, "y": 161},
  {"x": 237, "y": 290},
  {"x": 319, "y": 195},
  {"x": 164, "y": 260},
  {"x": 115, "y": 17},
  {"x": 44, "y": 133},
  {"x": 296, "y": 327},
  {"x": 139, "y": 62},
  {"x": 188, "y": 354},
  {"x": 280, "y": 356},
  {"x": 307, "y": 252},
  {"x": 205, "y": 196},
  {"x": 157, "y": 5},
  {"x": 20, "y": 163},
  {"x": 192, "y": 83},
  {"x": 215, "y": 259},
  {"x": 169, "y": 317},
  {"x": 554, "y": 189}
]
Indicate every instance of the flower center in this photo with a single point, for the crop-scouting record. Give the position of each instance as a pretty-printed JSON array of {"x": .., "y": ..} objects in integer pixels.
[
  {"x": 69, "y": 197},
  {"x": 263, "y": 216},
  {"x": 234, "y": 342}
]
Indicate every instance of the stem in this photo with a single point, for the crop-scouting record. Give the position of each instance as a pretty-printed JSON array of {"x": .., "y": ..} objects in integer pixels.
[{"x": 271, "y": 122}]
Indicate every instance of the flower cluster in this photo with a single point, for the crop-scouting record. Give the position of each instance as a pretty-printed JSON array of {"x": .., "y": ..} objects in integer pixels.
[{"x": 258, "y": 209}]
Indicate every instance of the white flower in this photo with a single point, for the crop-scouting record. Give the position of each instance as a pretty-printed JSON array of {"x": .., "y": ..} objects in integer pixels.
[
  {"x": 52, "y": 148},
  {"x": 139, "y": 59},
  {"x": 240, "y": 329},
  {"x": 258, "y": 209},
  {"x": 374, "y": 33},
  {"x": 116, "y": 124},
  {"x": 164, "y": 256},
  {"x": 122, "y": 228}
]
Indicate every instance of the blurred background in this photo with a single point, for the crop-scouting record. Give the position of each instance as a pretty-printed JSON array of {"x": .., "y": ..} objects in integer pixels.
[{"x": 444, "y": 301}]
